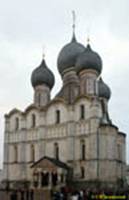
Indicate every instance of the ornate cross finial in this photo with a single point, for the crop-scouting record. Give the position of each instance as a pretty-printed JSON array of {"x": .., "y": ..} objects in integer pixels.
[
  {"x": 88, "y": 40},
  {"x": 43, "y": 52},
  {"x": 74, "y": 21},
  {"x": 88, "y": 35}
]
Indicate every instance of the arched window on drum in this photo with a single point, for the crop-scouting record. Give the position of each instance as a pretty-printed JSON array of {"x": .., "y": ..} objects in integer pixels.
[
  {"x": 32, "y": 153},
  {"x": 56, "y": 151},
  {"x": 82, "y": 111},
  {"x": 82, "y": 150},
  {"x": 16, "y": 123},
  {"x": 33, "y": 120},
  {"x": 15, "y": 147},
  {"x": 57, "y": 116}
]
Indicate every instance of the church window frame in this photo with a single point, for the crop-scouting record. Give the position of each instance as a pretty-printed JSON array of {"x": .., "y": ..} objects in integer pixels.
[
  {"x": 56, "y": 151},
  {"x": 83, "y": 149},
  {"x": 33, "y": 120},
  {"x": 82, "y": 112},
  {"x": 58, "y": 116},
  {"x": 16, "y": 123},
  {"x": 15, "y": 153},
  {"x": 32, "y": 153},
  {"x": 82, "y": 172}
]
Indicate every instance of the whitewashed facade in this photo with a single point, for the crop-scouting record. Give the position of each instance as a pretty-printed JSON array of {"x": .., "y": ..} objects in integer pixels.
[{"x": 77, "y": 121}]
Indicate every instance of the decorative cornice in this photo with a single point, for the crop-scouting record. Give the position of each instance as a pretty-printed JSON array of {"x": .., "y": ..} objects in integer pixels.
[
  {"x": 30, "y": 107},
  {"x": 13, "y": 111}
]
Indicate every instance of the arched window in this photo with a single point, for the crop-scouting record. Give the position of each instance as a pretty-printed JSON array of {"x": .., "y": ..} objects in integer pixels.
[
  {"x": 54, "y": 178},
  {"x": 82, "y": 112},
  {"x": 45, "y": 178},
  {"x": 32, "y": 153},
  {"x": 33, "y": 120},
  {"x": 83, "y": 149},
  {"x": 57, "y": 116},
  {"x": 15, "y": 153},
  {"x": 16, "y": 123},
  {"x": 82, "y": 172},
  {"x": 56, "y": 151}
]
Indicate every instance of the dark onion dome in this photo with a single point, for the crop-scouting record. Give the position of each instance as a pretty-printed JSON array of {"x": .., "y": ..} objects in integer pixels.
[
  {"x": 68, "y": 55},
  {"x": 89, "y": 60},
  {"x": 42, "y": 75},
  {"x": 103, "y": 90}
]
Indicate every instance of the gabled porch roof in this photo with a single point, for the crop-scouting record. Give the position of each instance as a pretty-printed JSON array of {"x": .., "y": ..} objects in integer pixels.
[{"x": 44, "y": 161}]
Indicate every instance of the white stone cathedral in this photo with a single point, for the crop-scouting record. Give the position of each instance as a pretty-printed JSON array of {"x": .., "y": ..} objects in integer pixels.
[{"x": 69, "y": 139}]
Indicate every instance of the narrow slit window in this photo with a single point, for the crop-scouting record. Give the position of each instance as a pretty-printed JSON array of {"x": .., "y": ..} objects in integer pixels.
[
  {"x": 33, "y": 120},
  {"x": 82, "y": 172},
  {"x": 16, "y": 123},
  {"x": 15, "y": 154},
  {"x": 82, "y": 112},
  {"x": 57, "y": 116},
  {"x": 56, "y": 151},
  {"x": 83, "y": 149},
  {"x": 32, "y": 153}
]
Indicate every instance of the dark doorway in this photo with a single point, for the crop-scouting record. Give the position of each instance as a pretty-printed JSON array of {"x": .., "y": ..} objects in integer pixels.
[{"x": 14, "y": 196}]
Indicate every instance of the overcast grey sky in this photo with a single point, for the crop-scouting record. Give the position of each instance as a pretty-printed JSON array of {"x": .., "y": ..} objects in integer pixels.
[{"x": 28, "y": 25}]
